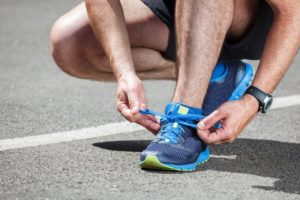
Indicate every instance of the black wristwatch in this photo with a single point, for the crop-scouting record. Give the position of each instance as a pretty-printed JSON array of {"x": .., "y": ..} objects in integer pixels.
[{"x": 264, "y": 99}]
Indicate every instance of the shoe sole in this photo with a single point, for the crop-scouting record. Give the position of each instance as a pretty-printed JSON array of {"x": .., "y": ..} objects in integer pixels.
[{"x": 153, "y": 163}]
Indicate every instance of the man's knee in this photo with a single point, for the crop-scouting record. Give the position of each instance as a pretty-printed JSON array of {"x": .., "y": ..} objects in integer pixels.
[{"x": 62, "y": 43}]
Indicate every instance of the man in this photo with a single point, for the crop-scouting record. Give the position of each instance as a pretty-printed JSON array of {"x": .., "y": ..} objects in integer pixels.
[{"x": 132, "y": 40}]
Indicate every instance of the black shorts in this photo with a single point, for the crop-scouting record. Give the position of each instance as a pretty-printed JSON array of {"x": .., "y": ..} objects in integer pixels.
[{"x": 250, "y": 47}]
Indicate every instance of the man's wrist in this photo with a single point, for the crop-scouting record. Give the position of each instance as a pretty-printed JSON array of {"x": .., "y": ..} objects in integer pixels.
[
  {"x": 125, "y": 74},
  {"x": 251, "y": 101}
]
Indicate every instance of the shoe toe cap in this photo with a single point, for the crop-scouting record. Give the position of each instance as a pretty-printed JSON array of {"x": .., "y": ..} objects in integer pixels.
[{"x": 164, "y": 157}]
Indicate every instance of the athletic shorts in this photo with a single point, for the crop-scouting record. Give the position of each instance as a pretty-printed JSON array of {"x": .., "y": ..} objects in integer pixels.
[{"x": 249, "y": 47}]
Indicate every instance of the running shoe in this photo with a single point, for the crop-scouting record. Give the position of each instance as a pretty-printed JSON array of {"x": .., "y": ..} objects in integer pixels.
[
  {"x": 177, "y": 146},
  {"x": 231, "y": 85}
]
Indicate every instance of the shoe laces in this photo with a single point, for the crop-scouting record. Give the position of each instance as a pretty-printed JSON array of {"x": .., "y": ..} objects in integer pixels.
[{"x": 172, "y": 124}]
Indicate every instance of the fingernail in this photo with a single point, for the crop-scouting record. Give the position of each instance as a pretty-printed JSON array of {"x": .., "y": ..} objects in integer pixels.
[
  {"x": 201, "y": 124},
  {"x": 157, "y": 119}
]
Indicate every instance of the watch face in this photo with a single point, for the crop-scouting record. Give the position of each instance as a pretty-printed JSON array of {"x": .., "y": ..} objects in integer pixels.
[{"x": 268, "y": 102}]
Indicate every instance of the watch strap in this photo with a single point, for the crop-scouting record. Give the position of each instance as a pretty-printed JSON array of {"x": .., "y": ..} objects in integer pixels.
[{"x": 259, "y": 95}]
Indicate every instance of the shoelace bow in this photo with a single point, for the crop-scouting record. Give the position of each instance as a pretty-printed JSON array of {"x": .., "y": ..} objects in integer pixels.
[{"x": 189, "y": 120}]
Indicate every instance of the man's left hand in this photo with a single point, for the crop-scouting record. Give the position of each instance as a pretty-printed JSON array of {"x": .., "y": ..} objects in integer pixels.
[{"x": 234, "y": 117}]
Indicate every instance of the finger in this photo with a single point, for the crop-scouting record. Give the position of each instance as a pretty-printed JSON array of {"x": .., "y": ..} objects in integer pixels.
[
  {"x": 148, "y": 124},
  {"x": 211, "y": 136},
  {"x": 218, "y": 136},
  {"x": 153, "y": 118},
  {"x": 203, "y": 135},
  {"x": 125, "y": 111},
  {"x": 142, "y": 100},
  {"x": 123, "y": 106},
  {"x": 133, "y": 103},
  {"x": 211, "y": 120},
  {"x": 150, "y": 117}
]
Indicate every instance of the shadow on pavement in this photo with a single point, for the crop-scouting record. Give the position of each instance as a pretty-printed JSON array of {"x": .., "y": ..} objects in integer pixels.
[{"x": 264, "y": 158}]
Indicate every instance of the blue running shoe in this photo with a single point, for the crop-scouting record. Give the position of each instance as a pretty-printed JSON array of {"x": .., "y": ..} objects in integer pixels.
[
  {"x": 232, "y": 85},
  {"x": 177, "y": 146}
]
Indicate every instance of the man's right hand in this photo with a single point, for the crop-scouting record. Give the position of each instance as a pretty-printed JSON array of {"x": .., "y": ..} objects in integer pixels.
[{"x": 131, "y": 98}]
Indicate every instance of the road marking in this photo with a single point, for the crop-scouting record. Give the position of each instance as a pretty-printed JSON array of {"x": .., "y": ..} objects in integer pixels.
[
  {"x": 68, "y": 136},
  {"x": 287, "y": 101},
  {"x": 227, "y": 157},
  {"x": 104, "y": 130}
]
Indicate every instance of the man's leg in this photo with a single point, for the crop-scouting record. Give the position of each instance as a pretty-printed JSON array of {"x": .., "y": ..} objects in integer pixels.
[
  {"x": 77, "y": 52},
  {"x": 202, "y": 27}
]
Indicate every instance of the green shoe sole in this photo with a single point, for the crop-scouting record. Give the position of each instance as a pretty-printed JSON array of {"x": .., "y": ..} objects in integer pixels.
[{"x": 151, "y": 162}]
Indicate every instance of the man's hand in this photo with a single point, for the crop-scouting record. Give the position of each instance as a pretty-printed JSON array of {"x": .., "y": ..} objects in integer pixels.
[
  {"x": 233, "y": 115},
  {"x": 131, "y": 98}
]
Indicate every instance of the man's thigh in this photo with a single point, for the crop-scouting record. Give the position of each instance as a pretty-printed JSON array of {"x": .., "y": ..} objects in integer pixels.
[
  {"x": 145, "y": 29},
  {"x": 252, "y": 20}
]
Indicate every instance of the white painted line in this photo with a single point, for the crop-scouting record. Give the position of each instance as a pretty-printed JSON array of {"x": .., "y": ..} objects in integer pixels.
[
  {"x": 104, "y": 130},
  {"x": 67, "y": 136},
  {"x": 227, "y": 157},
  {"x": 281, "y": 102}
]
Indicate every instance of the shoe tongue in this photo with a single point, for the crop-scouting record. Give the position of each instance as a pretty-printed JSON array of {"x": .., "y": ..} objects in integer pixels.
[
  {"x": 178, "y": 109},
  {"x": 181, "y": 109}
]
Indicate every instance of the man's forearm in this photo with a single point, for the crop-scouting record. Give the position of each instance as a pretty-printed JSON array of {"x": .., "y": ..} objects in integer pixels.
[
  {"x": 108, "y": 23},
  {"x": 281, "y": 47}
]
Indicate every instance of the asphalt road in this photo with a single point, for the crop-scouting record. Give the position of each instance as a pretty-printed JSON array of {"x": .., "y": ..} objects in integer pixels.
[{"x": 37, "y": 98}]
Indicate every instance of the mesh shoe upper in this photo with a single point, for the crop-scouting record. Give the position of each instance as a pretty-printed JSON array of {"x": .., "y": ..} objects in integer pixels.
[
  {"x": 184, "y": 152},
  {"x": 176, "y": 143}
]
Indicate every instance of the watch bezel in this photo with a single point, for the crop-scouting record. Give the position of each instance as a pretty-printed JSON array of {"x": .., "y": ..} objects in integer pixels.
[{"x": 267, "y": 103}]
